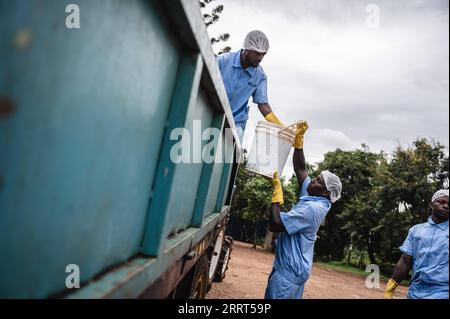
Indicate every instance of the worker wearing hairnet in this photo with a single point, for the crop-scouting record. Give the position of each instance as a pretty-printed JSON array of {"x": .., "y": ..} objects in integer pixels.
[
  {"x": 425, "y": 250},
  {"x": 299, "y": 226},
  {"x": 244, "y": 77}
]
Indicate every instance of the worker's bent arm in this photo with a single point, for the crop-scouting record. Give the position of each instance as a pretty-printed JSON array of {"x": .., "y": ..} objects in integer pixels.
[
  {"x": 402, "y": 268},
  {"x": 265, "y": 109},
  {"x": 275, "y": 223},
  {"x": 299, "y": 166}
]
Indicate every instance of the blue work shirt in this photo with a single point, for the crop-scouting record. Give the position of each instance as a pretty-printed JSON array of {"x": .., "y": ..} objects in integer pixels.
[
  {"x": 295, "y": 247},
  {"x": 427, "y": 243},
  {"x": 241, "y": 83}
]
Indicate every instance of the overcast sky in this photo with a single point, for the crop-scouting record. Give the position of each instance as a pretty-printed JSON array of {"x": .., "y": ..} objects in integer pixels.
[{"x": 354, "y": 83}]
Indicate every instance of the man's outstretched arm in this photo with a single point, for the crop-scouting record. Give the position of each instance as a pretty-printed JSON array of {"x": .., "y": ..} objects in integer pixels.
[
  {"x": 401, "y": 270},
  {"x": 265, "y": 109},
  {"x": 299, "y": 163},
  {"x": 267, "y": 112},
  {"x": 275, "y": 223},
  {"x": 298, "y": 160}
]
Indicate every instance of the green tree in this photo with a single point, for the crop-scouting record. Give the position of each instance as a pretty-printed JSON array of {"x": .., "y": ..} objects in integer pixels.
[
  {"x": 290, "y": 193},
  {"x": 351, "y": 219},
  {"x": 405, "y": 190},
  {"x": 258, "y": 192},
  {"x": 382, "y": 198},
  {"x": 252, "y": 197},
  {"x": 212, "y": 17}
]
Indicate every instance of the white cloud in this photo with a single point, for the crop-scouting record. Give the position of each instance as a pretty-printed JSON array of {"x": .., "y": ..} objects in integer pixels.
[{"x": 354, "y": 85}]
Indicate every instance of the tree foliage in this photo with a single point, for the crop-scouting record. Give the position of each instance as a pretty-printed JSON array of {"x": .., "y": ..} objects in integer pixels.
[
  {"x": 211, "y": 17},
  {"x": 252, "y": 196},
  {"x": 383, "y": 196}
]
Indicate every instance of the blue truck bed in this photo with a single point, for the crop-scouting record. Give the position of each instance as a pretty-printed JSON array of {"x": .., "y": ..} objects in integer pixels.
[{"x": 86, "y": 176}]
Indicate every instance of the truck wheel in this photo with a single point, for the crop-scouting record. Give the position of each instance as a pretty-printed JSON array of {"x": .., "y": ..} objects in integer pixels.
[
  {"x": 224, "y": 259},
  {"x": 200, "y": 283}
]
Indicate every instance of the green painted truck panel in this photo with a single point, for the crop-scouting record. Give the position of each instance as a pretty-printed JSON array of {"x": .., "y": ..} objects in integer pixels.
[{"x": 85, "y": 175}]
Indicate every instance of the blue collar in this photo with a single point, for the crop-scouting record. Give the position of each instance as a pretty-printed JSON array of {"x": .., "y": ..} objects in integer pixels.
[
  {"x": 237, "y": 59},
  {"x": 308, "y": 198},
  {"x": 443, "y": 226},
  {"x": 237, "y": 64}
]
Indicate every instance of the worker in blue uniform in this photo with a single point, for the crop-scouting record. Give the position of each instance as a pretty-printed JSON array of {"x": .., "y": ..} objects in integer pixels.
[
  {"x": 425, "y": 250},
  {"x": 244, "y": 77},
  {"x": 298, "y": 227}
]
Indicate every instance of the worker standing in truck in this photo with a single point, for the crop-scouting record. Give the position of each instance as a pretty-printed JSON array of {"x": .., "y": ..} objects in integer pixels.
[
  {"x": 425, "y": 251},
  {"x": 298, "y": 227},
  {"x": 244, "y": 77}
]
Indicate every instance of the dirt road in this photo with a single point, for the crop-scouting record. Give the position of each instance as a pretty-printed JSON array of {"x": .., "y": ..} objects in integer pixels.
[{"x": 249, "y": 269}]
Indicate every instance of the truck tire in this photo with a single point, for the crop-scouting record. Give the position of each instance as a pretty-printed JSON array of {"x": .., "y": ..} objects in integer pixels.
[
  {"x": 224, "y": 259},
  {"x": 200, "y": 282}
]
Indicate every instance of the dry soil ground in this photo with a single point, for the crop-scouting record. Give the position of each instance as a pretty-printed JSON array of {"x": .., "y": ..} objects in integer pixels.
[{"x": 249, "y": 269}]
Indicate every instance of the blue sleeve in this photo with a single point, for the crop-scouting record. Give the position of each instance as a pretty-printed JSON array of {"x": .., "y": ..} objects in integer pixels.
[
  {"x": 408, "y": 244},
  {"x": 306, "y": 182},
  {"x": 260, "y": 94},
  {"x": 298, "y": 219}
]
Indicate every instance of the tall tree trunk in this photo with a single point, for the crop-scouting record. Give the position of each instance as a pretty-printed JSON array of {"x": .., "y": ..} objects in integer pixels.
[
  {"x": 349, "y": 257},
  {"x": 371, "y": 252},
  {"x": 255, "y": 235},
  {"x": 242, "y": 234},
  {"x": 268, "y": 241},
  {"x": 360, "y": 259}
]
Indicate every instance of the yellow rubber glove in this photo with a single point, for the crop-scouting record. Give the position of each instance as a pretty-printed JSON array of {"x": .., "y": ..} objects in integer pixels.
[
  {"x": 302, "y": 127},
  {"x": 390, "y": 288},
  {"x": 277, "y": 195},
  {"x": 273, "y": 119}
]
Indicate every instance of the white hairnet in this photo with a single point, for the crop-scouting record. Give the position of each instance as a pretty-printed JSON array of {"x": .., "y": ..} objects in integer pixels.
[
  {"x": 440, "y": 193},
  {"x": 256, "y": 41},
  {"x": 333, "y": 185}
]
